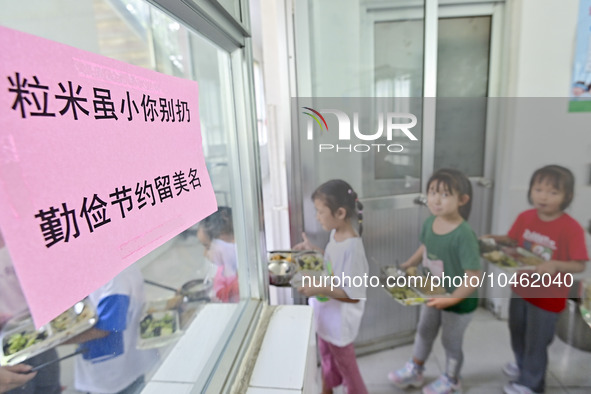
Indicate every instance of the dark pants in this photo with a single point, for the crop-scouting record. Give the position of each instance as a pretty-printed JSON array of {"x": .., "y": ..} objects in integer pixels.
[
  {"x": 47, "y": 380},
  {"x": 532, "y": 330}
]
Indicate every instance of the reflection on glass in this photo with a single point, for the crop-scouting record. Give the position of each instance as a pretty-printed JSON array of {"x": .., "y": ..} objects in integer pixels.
[
  {"x": 216, "y": 234},
  {"x": 132, "y": 31}
]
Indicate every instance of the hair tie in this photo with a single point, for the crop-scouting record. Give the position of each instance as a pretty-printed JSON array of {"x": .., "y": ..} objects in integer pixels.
[
  {"x": 360, "y": 211},
  {"x": 349, "y": 191}
]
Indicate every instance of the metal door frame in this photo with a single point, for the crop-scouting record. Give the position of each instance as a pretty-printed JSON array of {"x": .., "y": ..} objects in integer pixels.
[{"x": 430, "y": 14}]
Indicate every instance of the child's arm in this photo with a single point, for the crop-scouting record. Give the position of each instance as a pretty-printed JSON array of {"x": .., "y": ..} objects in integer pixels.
[
  {"x": 336, "y": 293},
  {"x": 553, "y": 266},
  {"x": 459, "y": 293},
  {"x": 415, "y": 259},
  {"x": 88, "y": 335}
]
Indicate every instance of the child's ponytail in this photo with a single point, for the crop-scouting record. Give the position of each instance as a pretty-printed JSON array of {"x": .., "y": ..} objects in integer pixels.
[{"x": 359, "y": 208}]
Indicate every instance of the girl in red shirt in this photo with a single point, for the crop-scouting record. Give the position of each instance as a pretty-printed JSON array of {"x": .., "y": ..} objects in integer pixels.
[{"x": 553, "y": 235}]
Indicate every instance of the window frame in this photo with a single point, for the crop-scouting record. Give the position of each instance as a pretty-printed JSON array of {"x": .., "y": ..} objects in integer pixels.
[{"x": 210, "y": 19}]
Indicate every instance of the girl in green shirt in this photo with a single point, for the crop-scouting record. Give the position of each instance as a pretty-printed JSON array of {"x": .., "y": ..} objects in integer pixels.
[{"x": 449, "y": 249}]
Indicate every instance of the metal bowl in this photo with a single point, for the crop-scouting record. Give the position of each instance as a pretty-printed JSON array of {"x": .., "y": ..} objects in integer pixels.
[
  {"x": 281, "y": 271},
  {"x": 196, "y": 289}
]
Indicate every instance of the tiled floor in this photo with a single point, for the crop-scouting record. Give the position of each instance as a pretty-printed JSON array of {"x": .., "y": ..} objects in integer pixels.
[{"x": 486, "y": 349}]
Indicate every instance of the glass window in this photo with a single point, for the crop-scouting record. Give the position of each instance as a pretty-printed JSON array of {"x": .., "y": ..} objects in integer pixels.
[
  {"x": 462, "y": 87},
  {"x": 367, "y": 58},
  {"x": 201, "y": 265}
]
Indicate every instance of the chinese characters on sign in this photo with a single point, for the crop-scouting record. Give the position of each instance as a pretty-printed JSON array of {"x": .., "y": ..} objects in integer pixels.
[
  {"x": 101, "y": 162},
  {"x": 33, "y": 99},
  {"x": 60, "y": 224}
]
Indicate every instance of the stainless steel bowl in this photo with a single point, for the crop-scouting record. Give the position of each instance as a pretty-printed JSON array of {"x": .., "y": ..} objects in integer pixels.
[{"x": 281, "y": 271}]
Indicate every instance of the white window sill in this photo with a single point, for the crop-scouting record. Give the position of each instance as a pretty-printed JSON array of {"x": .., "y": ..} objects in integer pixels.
[{"x": 286, "y": 361}]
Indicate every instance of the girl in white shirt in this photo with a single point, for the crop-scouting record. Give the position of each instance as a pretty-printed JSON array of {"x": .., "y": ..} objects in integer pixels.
[{"x": 338, "y": 318}]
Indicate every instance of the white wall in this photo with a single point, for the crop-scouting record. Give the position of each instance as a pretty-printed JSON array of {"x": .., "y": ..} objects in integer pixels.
[{"x": 539, "y": 54}]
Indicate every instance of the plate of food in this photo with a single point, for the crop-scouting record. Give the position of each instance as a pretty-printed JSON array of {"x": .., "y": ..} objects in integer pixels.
[
  {"x": 159, "y": 328},
  {"x": 396, "y": 283},
  {"x": 309, "y": 261},
  {"x": 422, "y": 283},
  {"x": 405, "y": 295},
  {"x": 282, "y": 255},
  {"x": 21, "y": 341},
  {"x": 513, "y": 258}
]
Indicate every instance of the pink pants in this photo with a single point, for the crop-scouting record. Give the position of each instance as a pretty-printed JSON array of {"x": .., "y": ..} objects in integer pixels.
[{"x": 339, "y": 366}]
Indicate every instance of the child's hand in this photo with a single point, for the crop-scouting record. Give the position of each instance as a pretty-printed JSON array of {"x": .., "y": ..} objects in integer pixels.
[
  {"x": 15, "y": 376},
  {"x": 305, "y": 244},
  {"x": 547, "y": 267},
  {"x": 404, "y": 266},
  {"x": 443, "y": 302}
]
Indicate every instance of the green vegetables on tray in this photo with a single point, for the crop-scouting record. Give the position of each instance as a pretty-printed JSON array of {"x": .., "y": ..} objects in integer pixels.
[
  {"x": 22, "y": 340},
  {"x": 153, "y": 327},
  {"x": 310, "y": 262},
  {"x": 405, "y": 295}
]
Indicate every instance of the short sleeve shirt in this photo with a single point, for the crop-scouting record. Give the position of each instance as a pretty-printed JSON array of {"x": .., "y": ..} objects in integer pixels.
[
  {"x": 452, "y": 254},
  {"x": 561, "y": 239},
  {"x": 338, "y": 322}
]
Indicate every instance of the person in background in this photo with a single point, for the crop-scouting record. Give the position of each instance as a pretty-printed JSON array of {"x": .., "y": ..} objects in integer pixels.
[
  {"x": 450, "y": 247},
  {"x": 338, "y": 318},
  {"x": 216, "y": 234},
  {"x": 559, "y": 240},
  {"x": 111, "y": 362},
  {"x": 13, "y": 303}
]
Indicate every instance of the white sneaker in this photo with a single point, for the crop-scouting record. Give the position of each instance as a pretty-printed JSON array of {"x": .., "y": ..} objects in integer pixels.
[
  {"x": 443, "y": 385},
  {"x": 511, "y": 370},
  {"x": 410, "y": 375},
  {"x": 514, "y": 388}
]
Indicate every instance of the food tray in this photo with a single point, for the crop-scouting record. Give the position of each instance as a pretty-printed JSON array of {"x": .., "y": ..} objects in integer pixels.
[
  {"x": 309, "y": 260},
  {"x": 288, "y": 255},
  {"x": 405, "y": 295},
  {"x": 512, "y": 259},
  {"x": 158, "y": 326},
  {"x": 392, "y": 271},
  {"x": 72, "y": 322},
  {"x": 303, "y": 261}
]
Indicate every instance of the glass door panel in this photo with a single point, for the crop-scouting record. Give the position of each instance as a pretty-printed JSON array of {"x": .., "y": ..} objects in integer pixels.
[
  {"x": 462, "y": 88},
  {"x": 398, "y": 75}
]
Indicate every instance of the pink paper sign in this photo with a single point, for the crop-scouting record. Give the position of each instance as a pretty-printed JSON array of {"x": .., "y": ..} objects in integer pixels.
[{"x": 100, "y": 163}]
